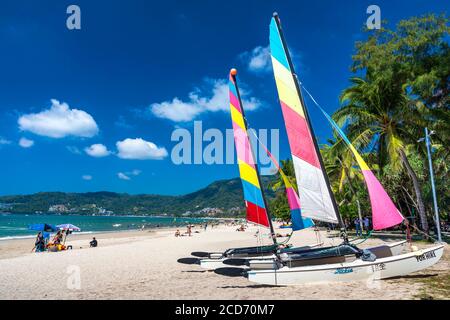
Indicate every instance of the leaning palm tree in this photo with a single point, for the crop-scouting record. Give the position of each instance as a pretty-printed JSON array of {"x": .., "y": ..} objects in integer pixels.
[{"x": 379, "y": 109}]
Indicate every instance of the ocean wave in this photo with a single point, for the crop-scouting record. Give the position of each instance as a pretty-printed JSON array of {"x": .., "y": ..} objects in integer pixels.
[{"x": 17, "y": 237}]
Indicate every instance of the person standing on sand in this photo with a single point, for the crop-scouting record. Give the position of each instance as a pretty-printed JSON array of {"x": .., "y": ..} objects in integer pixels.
[
  {"x": 366, "y": 224},
  {"x": 206, "y": 225},
  {"x": 357, "y": 227},
  {"x": 189, "y": 230}
]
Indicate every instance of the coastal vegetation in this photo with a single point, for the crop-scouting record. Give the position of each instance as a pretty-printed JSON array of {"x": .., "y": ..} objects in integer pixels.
[{"x": 220, "y": 199}]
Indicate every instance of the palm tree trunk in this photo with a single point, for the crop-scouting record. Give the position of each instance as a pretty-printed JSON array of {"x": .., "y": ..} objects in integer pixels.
[
  {"x": 415, "y": 181},
  {"x": 352, "y": 190}
]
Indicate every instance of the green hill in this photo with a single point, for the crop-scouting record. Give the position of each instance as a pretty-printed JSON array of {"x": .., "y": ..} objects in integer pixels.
[{"x": 221, "y": 198}]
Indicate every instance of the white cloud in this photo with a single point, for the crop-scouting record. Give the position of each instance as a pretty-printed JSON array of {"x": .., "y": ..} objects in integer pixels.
[
  {"x": 218, "y": 100},
  {"x": 3, "y": 141},
  {"x": 26, "y": 143},
  {"x": 59, "y": 121},
  {"x": 97, "y": 151},
  {"x": 123, "y": 176},
  {"x": 87, "y": 177},
  {"x": 135, "y": 172},
  {"x": 140, "y": 149},
  {"x": 258, "y": 60},
  {"x": 73, "y": 149}
]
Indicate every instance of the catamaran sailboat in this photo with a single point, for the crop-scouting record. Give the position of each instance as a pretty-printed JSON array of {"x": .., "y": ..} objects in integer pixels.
[
  {"x": 345, "y": 262},
  {"x": 263, "y": 257},
  {"x": 255, "y": 201}
]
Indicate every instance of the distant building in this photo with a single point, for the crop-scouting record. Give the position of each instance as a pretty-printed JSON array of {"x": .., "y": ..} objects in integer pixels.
[
  {"x": 58, "y": 208},
  {"x": 5, "y": 206}
]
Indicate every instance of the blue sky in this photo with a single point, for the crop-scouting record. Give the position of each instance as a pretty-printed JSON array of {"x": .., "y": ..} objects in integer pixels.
[{"x": 94, "y": 109}]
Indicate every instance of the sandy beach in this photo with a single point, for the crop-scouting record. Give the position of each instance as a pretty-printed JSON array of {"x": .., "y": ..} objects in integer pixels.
[{"x": 143, "y": 265}]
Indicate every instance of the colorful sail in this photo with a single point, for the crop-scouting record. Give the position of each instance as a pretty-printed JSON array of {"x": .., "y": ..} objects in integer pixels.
[
  {"x": 254, "y": 201},
  {"x": 315, "y": 195},
  {"x": 298, "y": 222},
  {"x": 384, "y": 212}
]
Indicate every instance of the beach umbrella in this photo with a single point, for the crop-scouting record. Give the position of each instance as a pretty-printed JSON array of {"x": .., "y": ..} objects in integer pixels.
[
  {"x": 68, "y": 226},
  {"x": 42, "y": 227}
]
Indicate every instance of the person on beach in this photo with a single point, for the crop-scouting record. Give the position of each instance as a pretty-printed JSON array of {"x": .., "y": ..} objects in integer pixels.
[
  {"x": 366, "y": 224},
  {"x": 177, "y": 233},
  {"x": 206, "y": 225},
  {"x": 39, "y": 244},
  {"x": 58, "y": 238},
  {"x": 357, "y": 227},
  {"x": 189, "y": 230},
  {"x": 93, "y": 243}
]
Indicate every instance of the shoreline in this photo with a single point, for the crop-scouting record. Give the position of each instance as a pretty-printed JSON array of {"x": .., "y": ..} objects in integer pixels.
[{"x": 149, "y": 227}]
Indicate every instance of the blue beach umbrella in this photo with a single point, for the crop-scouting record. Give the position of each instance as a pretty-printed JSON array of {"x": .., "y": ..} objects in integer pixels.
[{"x": 43, "y": 227}]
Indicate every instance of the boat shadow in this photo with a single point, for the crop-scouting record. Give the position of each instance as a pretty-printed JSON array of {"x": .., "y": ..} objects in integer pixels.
[
  {"x": 200, "y": 254},
  {"x": 189, "y": 261},
  {"x": 231, "y": 272}
]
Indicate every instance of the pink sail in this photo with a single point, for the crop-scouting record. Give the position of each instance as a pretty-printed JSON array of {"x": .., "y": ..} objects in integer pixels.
[{"x": 384, "y": 213}]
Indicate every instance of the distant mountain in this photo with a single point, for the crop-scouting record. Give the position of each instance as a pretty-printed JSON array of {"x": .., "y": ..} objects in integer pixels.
[{"x": 221, "y": 198}]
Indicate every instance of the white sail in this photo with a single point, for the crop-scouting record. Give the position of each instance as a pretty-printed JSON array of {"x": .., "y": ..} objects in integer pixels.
[{"x": 314, "y": 192}]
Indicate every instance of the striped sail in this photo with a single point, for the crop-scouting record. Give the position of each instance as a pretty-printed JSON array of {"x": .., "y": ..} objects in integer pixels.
[
  {"x": 384, "y": 212},
  {"x": 254, "y": 201},
  {"x": 298, "y": 222},
  {"x": 315, "y": 196}
]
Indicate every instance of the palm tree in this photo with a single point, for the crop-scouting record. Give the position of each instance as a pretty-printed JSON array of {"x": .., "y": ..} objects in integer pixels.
[
  {"x": 288, "y": 168},
  {"x": 379, "y": 113}
]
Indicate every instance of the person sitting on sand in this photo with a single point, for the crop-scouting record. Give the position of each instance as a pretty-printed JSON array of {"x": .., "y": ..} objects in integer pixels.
[
  {"x": 241, "y": 228},
  {"x": 93, "y": 243},
  {"x": 177, "y": 233},
  {"x": 58, "y": 238},
  {"x": 39, "y": 244}
]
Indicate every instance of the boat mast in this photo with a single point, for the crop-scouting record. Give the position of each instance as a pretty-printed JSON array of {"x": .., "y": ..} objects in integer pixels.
[
  {"x": 269, "y": 216},
  {"x": 316, "y": 146}
]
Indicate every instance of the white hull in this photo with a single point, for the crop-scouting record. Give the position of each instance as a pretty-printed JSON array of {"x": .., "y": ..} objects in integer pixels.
[
  {"x": 216, "y": 260},
  {"x": 396, "y": 248},
  {"x": 383, "y": 268},
  {"x": 212, "y": 264}
]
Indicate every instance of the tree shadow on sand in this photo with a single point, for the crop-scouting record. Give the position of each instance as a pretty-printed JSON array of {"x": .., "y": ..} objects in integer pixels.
[
  {"x": 251, "y": 286},
  {"x": 415, "y": 276},
  {"x": 189, "y": 261}
]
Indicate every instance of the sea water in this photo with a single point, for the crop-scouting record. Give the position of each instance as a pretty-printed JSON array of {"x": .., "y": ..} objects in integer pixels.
[{"x": 16, "y": 225}]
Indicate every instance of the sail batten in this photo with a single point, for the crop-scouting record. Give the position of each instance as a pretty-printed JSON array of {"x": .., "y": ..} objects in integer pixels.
[{"x": 314, "y": 193}]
